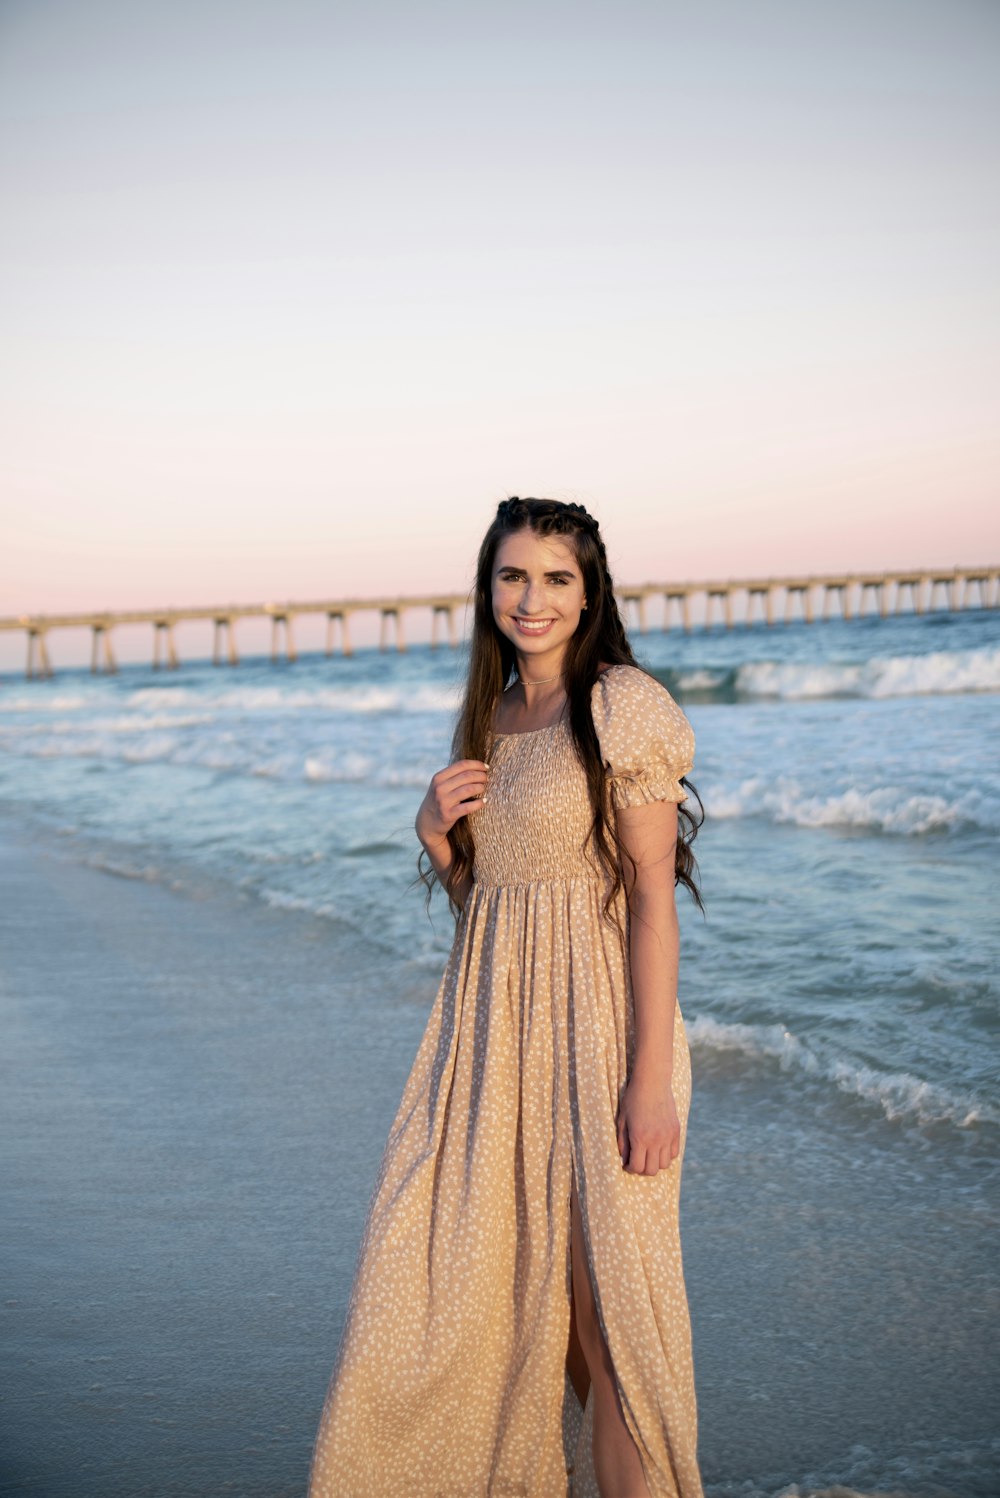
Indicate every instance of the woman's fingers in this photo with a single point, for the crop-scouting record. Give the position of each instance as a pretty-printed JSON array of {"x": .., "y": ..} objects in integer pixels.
[
  {"x": 646, "y": 1159},
  {"x": 464, "y": 807},
  {"x": 458, "y": 789},
  {"x": 636, "y": 1159},
  {"x": 455, "y": 783},
  {"x": 648, "y": 1124},
  {"x": 463, "y": 797},
  {"x": 460, "y": 767}
]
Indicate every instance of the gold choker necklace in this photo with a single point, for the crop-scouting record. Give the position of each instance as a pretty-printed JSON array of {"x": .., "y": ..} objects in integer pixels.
[{"x": 541, "y": 680}]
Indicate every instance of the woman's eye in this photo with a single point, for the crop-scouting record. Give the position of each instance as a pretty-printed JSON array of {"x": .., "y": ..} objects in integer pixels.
[{"x": 516, "y": 577}]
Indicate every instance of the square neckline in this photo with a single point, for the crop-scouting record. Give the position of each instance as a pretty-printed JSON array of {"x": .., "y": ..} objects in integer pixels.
[{"x": 527, "y": 733}]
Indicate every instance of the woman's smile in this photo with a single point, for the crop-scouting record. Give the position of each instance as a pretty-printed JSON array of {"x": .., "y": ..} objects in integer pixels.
[{"x": 533, "y": 626}]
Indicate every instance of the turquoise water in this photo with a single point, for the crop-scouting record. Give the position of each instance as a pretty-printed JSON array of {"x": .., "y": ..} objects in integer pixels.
[{"x": 851, "y": 783}]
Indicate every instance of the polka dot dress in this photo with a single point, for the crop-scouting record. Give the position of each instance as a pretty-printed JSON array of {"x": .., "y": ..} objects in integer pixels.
[{"x": 450, "y": 1379}]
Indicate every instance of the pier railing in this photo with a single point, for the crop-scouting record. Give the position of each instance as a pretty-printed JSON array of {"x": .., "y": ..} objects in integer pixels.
[{"x": 764, "y": 600}]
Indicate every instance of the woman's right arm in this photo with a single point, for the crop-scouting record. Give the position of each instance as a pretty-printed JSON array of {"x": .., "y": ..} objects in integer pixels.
[{"x": 452, "y": 793}]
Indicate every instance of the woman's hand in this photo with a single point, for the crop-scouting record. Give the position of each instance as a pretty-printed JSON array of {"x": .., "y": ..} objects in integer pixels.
[
  {"x": 452, "y": 793},
  {"x": 649, "y": 1131}
]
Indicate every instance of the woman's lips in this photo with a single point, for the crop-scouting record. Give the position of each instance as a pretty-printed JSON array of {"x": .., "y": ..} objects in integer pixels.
[{"x": 533, "y": 626}]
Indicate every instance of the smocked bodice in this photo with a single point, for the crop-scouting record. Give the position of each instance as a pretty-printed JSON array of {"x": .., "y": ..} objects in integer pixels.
[
  {"x": 536, "y": 823},
  {"x": 536, "y": 820}
]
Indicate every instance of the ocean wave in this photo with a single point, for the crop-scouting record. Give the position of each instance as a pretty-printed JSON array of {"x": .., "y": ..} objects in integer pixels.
[
  {"x": 900, "y": 1095},
  {"x": 224, "y": 755},
  {"x": 933, "y": 674},
  {"x": 170, "y": 703},
  {"x": 279, "y": 899},
  {"x": 276, "y": 699},
  {"x": 941, "y": 1466},
  {"x": 890, "y": 809},
  {"x": 361, "y": 769},
  {"x": 105, "y": 863},
  {"x": 704, "y": 679},
  {"x": 133, "y": 723},
  {"x": 41, "y": 704},
  {"x": 348, "y": 767}
]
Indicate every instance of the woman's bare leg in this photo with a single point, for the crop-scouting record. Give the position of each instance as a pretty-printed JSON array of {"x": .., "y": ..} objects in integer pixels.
[
  {"x": 576, "y": 1362},
  {"x": 616, "y": 1459}
]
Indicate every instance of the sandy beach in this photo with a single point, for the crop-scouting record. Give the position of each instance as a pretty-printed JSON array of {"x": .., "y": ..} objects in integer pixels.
[{"x": 196, "y": 1096}]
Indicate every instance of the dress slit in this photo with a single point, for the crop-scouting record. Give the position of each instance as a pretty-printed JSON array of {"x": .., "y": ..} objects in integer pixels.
[{"x": 584, "y": 1483}]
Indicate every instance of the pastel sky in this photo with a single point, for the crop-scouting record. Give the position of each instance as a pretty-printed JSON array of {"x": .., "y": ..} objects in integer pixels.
[{"x": 292, "y": 293}]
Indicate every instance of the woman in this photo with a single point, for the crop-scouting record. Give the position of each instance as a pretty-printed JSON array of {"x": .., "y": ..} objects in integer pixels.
[{"x": 518, "y": 1322}]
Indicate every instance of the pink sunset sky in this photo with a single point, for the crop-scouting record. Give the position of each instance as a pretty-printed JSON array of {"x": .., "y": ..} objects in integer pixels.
[{"x": 293, "y": 293}]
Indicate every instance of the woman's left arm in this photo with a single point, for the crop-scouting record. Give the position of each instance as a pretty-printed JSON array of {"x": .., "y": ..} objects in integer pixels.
[{"x": 648, "y": 1126}]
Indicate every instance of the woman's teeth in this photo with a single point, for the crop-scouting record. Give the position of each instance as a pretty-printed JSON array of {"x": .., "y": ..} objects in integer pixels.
[{"x": 535, "y": 627}]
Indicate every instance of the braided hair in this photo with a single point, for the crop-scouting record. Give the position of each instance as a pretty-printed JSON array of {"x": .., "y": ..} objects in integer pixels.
[{"x": 600, "y": 639}]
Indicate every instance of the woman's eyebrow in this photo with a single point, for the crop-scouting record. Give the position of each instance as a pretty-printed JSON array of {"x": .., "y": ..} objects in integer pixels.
[{"x": 563, "y": 572}]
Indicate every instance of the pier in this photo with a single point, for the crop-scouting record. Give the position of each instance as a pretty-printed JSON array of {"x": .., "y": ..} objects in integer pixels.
[{"x": 747, "y": 601}]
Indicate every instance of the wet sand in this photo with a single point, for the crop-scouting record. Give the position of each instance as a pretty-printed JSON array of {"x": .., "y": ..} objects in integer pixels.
[{"x": 196, "y": 1091}]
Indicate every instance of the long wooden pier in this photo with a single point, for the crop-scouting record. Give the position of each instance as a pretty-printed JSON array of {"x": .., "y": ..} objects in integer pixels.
[{"x": 763, "y": 600}]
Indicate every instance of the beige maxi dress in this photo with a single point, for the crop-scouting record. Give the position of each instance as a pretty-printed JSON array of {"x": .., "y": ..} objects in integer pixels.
[{"x": 450, "y": 1379}]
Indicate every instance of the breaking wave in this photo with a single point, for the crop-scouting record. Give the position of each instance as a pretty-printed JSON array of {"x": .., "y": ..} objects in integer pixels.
[
  {"x": 899, "y": 1095},
  {"x": 934, "y": 674},
  {"x": 886, "y": 809}
]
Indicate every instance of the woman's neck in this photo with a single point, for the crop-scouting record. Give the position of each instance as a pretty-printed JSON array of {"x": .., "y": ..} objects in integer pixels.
[{"x": 540, "y": 670}]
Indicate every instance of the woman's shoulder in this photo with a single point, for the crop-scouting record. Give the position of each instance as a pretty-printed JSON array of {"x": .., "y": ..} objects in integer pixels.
[
  {"x": 622, "y": 672},
  {"x": 638, "y": 721},
  {"x": 625, "y": 687}
]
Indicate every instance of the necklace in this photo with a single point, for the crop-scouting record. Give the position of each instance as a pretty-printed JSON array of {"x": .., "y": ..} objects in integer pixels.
[{"x": 541, "y": 680}]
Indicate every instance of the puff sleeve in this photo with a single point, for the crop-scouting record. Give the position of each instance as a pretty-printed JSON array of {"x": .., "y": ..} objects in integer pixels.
[{"x": 646, "y": 741}]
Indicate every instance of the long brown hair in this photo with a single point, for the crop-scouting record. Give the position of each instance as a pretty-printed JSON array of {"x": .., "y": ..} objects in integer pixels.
[{"x": 600, "y": 638}]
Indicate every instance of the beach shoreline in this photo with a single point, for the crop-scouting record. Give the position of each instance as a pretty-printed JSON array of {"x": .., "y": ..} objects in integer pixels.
[{"x": 198, "y": 1091}]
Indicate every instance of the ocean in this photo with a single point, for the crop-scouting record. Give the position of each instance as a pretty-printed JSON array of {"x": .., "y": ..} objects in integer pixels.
[{"x": 840, "y": 995}]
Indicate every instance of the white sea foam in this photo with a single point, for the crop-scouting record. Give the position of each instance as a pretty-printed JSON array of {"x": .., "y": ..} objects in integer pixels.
[
  {"x": 167, "y": 702},
  {"x": 938, "y": 672},
  {"x": 278, "y": 699},
  {"x": 945, "y": 1464},
  {"x": 363, "y": 769},
  {"x": 81, "y": 747},
  {"x": 136, "y": 723},
  {"x": 225, "y": 754},
  {"x": 703, "y": 680},
  {"x": 148, "y": 873},
  {"x": 160, "y": 746},
  {"x": 280, "y": 900},
  {"x": 899, "y": 1094},
  {"x": 886, "y": 808},
  {"x": 346, "y": 767},
  {"x": 41, "y": 704}
]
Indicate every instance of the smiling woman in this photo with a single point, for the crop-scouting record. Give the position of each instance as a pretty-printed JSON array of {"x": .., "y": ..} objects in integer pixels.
[
  {"x": 538, "y": 598},
  {"x": 518, "y": 1321}
]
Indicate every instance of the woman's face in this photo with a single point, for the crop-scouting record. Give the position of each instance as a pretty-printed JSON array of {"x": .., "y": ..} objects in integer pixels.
[{"x": 537, "y": 595}]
